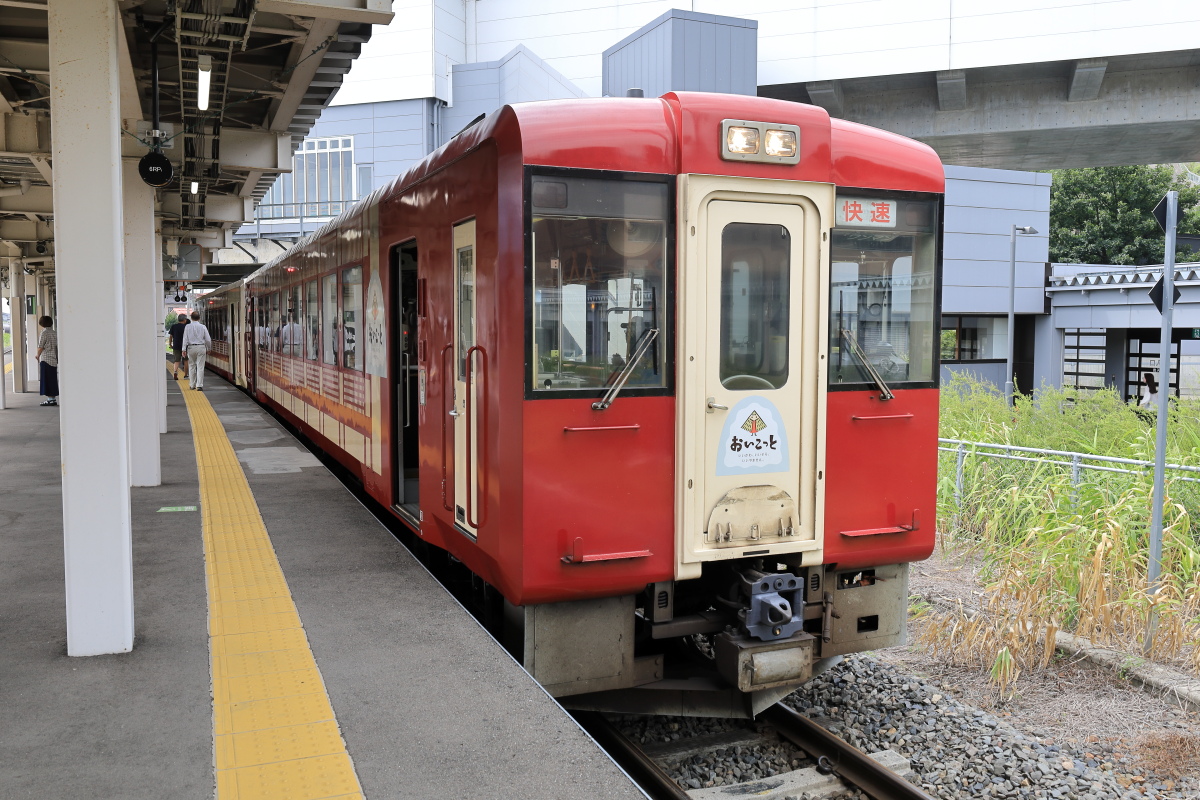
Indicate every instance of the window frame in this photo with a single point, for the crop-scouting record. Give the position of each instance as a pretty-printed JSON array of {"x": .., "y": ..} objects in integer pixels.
[
  {"x": 308, "y": 301},
  {"x": 321, "y": 349},
  {"x": 666, "y": 337},
  {"x": 938, "y": 232},
  {"x": 958, "y": 328},
  {"x": 359, "y": 342}
]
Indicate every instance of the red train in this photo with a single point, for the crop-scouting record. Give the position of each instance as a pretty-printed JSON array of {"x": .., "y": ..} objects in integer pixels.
[{"x": 661, "y": 372}]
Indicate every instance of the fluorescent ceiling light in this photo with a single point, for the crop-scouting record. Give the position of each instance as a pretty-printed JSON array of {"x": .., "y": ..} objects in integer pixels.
[{"x": 205, "y": 82}]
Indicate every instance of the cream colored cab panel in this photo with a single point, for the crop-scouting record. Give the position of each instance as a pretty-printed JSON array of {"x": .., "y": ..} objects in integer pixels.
[{"x": 752, "y": 349}]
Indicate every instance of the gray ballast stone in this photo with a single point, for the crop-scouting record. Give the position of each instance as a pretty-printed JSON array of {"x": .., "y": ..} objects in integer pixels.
[
  {"x": 799, "y": 783},
  {"x": 956, "y": 751}
]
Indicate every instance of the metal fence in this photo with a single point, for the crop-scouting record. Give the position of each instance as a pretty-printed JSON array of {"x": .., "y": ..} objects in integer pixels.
[
  {"x": 307, "y": 217},
  {"x": 1076, "y": 462}
]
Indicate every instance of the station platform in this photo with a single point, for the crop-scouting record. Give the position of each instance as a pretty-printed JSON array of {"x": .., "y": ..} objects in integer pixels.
[{"x": 287, "y": 645}]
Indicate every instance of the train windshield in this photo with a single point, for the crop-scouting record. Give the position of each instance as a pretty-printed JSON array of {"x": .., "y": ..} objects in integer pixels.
[
  {"x": 883, "y": 292},
  {"x": 599, "y": 278}
]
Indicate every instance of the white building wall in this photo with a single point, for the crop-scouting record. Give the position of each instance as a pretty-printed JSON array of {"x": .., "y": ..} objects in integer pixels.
[
  {"x": 799, "y": 40},
  {"x": 398, "y": 61},
  {"x": 449, "y": 43}
]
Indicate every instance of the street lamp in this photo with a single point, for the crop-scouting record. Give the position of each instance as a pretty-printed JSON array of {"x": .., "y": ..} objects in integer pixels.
[{"x": 1012, "y": 306}]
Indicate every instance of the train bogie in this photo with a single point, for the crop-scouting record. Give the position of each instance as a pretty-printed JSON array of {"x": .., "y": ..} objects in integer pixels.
[{"x": 660, "y": 373}]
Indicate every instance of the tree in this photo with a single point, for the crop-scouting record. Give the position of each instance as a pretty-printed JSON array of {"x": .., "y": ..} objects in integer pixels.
[{"x": 1101, "y": 215}]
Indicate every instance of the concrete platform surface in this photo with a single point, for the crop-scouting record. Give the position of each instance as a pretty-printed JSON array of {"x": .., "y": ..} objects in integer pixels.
[{"x": 428, "y": 704}]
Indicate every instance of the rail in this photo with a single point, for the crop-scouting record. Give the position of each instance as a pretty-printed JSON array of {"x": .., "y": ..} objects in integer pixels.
[
  {"x": 1078, "y": 462},
  {"x": 833, "y": 756},
  {"x": 836, "y": 757},
  {"x": 653, "y": 780}
]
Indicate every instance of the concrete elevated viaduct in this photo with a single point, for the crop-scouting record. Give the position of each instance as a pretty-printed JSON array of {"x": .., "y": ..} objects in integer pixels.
[{"x": 1128, "y": 109}]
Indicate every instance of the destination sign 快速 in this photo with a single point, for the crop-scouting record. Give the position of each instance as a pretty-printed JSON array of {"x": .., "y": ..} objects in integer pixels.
[{"x": 865, "y": 212}]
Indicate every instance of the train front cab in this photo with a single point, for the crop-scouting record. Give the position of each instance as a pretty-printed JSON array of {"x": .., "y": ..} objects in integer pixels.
[{"x": 801, "y": 318}]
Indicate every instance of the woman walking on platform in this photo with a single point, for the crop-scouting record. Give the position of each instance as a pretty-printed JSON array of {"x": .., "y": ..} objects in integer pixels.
[{"x": 47, "y": 355}]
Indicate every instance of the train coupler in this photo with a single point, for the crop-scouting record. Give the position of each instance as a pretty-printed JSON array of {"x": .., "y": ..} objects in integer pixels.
[
  {"x": 752, "y": 665},
  {"x": 776, "y": 604}
]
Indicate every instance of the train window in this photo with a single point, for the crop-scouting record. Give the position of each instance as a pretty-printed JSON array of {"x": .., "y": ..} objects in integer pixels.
[
  {"x": 329, "y": 320},
  {"x": 883, "y": 290},
  {"x": 291, "y": 336},
  {"x": 310, "y": 321},
  {"x": 755, "y": 308},
  {"x": 273, "y": 323},
  {"x": 352, "y": 302},
  {"x": 262, "y": 334},
  {"x": 599, "y": 263}
]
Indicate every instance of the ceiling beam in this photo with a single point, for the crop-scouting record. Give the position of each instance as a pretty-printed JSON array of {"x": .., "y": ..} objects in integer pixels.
[
  {"x": 828, "y": 95},
  {"x": 952, "y": 90},
  {"x": 376, "y": 12},
  {"x": 305, "y": 68},
  {"x": 1087, "y": 75}
]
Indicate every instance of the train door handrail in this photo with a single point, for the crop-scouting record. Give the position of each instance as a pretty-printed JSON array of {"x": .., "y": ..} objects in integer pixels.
[
  {"x": 480, "y": 479},
  {"x": 446, "y": 415}
]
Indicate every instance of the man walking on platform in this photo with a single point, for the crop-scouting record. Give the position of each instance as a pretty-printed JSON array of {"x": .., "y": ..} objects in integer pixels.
[
  {"x": 176, "y": 333},
  {"x": 196, "y": 341}
]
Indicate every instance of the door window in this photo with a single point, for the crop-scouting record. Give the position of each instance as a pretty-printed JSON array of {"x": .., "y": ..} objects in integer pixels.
[
  {"x": 465, "y": 259},
  {"x": 755, "y": 307}
]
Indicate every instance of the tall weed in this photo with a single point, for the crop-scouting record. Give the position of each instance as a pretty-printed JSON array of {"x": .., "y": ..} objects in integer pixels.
[{"x": 1059, "y": 555}]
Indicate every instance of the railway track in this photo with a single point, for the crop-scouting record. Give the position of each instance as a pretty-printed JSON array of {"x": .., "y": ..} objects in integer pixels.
[{"x": 831, "y": 755}]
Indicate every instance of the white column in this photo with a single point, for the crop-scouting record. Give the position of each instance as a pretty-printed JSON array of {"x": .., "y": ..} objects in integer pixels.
[
  {"x": 17, "y": 310},
  {"x": 144, "y": 358},
  {"x": 91, "y": 301}
]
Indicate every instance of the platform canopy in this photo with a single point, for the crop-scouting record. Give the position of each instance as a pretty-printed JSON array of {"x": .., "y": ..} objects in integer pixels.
[{"x": 274, "y": 65}]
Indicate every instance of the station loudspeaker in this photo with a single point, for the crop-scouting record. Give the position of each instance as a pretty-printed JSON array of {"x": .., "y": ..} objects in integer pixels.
[{"x": 156, "y": 169}]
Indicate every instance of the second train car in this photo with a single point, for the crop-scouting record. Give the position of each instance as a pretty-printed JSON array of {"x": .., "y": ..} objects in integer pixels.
[{"x": 661, "y": 372}]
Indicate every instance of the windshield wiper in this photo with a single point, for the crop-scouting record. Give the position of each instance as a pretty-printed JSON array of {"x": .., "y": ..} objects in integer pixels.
[
  {"x": 643, "y": 345},
  {"x": 884, "y": 392}
]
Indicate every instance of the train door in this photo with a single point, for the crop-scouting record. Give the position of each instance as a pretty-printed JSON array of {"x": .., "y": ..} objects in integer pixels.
[
  {"x": 405, "y": 425},
  {"x": 248, "y": 342},
  {"x": 468, "y": 361},
  {"x": 751, "y": 394},
  {"x": 230, "y": 334}
]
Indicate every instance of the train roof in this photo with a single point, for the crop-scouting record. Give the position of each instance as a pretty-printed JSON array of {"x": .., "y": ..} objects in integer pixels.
[{"x": 677, "y": 133}]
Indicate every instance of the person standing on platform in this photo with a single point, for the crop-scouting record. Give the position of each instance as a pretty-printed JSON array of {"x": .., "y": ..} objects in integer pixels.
[
  {"x": 196, "y": 341},
  {"x": 176, "y": 332},
  {"x": 47, "y": 355}
]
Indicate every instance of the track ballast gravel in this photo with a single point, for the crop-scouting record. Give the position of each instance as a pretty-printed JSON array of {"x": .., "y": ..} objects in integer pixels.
[{"x": 956, "y": 751}]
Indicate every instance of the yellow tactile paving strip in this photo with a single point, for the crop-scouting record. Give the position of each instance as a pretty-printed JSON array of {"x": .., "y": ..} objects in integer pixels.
[{"x": 274, "y": 732}]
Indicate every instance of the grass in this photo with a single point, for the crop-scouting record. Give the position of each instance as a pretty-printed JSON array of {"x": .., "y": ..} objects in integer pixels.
[{"x": 1059, "y": 556}]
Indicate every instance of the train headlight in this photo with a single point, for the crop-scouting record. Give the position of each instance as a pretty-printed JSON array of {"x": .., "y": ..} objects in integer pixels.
[
  {"x": 769, "y": 142},
  {"x": 742, "y": 140},
  {"x": 780, "y": 143}
]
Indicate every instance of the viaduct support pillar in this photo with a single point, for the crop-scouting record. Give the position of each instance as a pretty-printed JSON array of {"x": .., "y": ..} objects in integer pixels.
[
  {"x": 141, "y": 329},
  {"x": 89, "y": 236}
]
